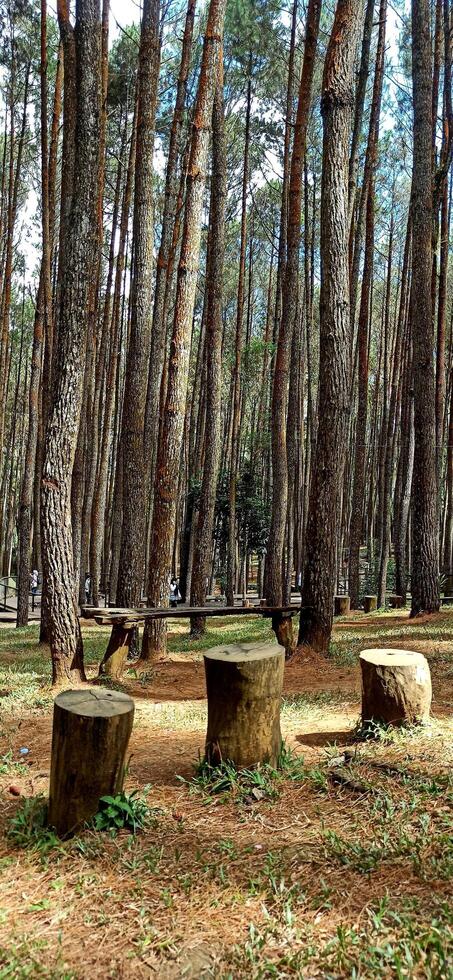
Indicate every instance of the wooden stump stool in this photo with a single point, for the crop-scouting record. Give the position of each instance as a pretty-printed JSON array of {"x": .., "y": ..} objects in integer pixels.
[
  {"x": 91, "y": 729},
  {"x": 244, "y": 686},
  {"x": 395, "y": 601},
  {"x": 369, "y": 603},
  {"x": 341, "y": 605},
  {"x": 396, "y": 686}
]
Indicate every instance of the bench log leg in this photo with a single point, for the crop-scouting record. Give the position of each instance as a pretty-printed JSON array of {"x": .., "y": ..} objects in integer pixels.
[
  {"x": 283, "y": 628},
  {"x": 117, "y": 650}
]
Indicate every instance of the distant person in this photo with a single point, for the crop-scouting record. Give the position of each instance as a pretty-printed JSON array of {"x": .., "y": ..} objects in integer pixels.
[
  {"x": 87, "y": 588},
  {"x": 34, "y": 580},
  {"x": 175, "y": 594}
]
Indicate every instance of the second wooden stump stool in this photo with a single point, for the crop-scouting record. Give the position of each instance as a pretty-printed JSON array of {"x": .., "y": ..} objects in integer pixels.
[{"x": 244, "y": 685}]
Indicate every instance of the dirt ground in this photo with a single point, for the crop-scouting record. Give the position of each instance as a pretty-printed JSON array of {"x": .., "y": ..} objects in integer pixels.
[{"x": 313, "y": 878}]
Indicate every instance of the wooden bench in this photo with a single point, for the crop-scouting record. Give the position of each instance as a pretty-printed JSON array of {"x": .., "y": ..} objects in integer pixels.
[{"x": 125, "y": 621}]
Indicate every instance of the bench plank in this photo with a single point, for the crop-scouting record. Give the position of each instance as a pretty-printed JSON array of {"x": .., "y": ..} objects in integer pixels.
[
  {"x": 183, "y": 612},
  {"x": 124, "y": 621}
]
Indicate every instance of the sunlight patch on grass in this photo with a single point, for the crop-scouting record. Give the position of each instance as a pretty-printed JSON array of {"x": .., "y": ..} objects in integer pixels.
[
  {"x": 175, "y": 715},
  {"x": 301, "y": 706}
]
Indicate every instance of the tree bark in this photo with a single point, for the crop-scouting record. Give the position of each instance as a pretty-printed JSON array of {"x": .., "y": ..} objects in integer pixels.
[
  {"x": 274, "y": 583},
  {"x": 239, "y": 341},
  {"x": 401, "y": 525},
  {"x": 358, "y": 111},
  {"x": 213, "y": 346},
  {"x": 425, "y": 541},
  {"x": 334, "y": 384},
  {"x": 132, "y": 554},
  {"x": 358, "y": 492},
  {"x": 31, "y": 473},
  {"x": 169, "y": 448},
  {"x": 98, "y": 515},
  {"x": 13, "y": 191},
  {"x": 65, "y": 637},
  {"x": 161, "y": 293}
]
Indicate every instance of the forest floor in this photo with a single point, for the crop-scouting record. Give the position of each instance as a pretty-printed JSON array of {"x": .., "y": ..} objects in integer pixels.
[{"x": 282, "y": 875}]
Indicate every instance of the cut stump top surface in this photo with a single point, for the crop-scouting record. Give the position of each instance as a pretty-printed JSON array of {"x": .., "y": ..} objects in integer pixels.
[
  {"x": 94, "y": 702},
  {"x": 242, "y": 652},
  {"x": 393, "y": 658}
]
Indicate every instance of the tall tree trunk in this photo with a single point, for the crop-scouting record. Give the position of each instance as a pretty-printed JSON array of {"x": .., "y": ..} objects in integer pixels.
[
  {"x": 448, "y": 545},
  {"x": 169, "y": 448},
  {"x": 100, "y": 490},
  {"x": 42, "y": 312},
  {"x": 65, "y": 637},
  {"x": 407, "y": 465},
  {"x": 213, "y": 346},
  {"x": 283, "y": 230},
  {"x": 357, "y": 508},
  {"x": 274, "y": 583},
  {"x": 98, "y": 337},
  {"x": 390, "y": 444},
  {"x": 441, "y": 323},
  {"x": 13, "y": 191},
  {"x": 161, "y": 293},
  {"x": 68, "y": 43},
  {"x": 132, "y": 554},
  {"x": 358, "y": 110},
  {"x": 239, "y": 340},
  {"x": 441, "y": 200},
  {"x": 334, "y": 370},
  {"x": 425, "y": 541}
]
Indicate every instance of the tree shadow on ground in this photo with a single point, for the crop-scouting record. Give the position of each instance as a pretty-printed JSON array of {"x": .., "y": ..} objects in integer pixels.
[{"x": 326, "y": 738}]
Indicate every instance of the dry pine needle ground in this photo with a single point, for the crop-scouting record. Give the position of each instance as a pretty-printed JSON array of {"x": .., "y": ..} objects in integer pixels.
[{"x": 308, "y": 877}]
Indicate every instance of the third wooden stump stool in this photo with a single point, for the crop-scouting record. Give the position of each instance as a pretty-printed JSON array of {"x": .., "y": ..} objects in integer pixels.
[
  {"x": 244, "y": 685},
  {"x": 396, "y": 686}
]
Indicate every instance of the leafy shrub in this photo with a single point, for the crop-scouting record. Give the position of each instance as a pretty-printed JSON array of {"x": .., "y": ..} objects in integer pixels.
[{"x": 125, "y": 811}]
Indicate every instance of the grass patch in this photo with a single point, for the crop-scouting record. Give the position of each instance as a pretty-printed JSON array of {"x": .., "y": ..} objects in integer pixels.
[
  {"x": 11, "y": 767},
  {"x": 28, "y": 827},
  {"x": 390, "y": 942},
  {"x": 179, "y": 715},
  {"x": 227, "y": 783},
  {"x": 306, "y": 704},
  {"x": 25, "y": 960},
  {"x": 223, "y": 630}
]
